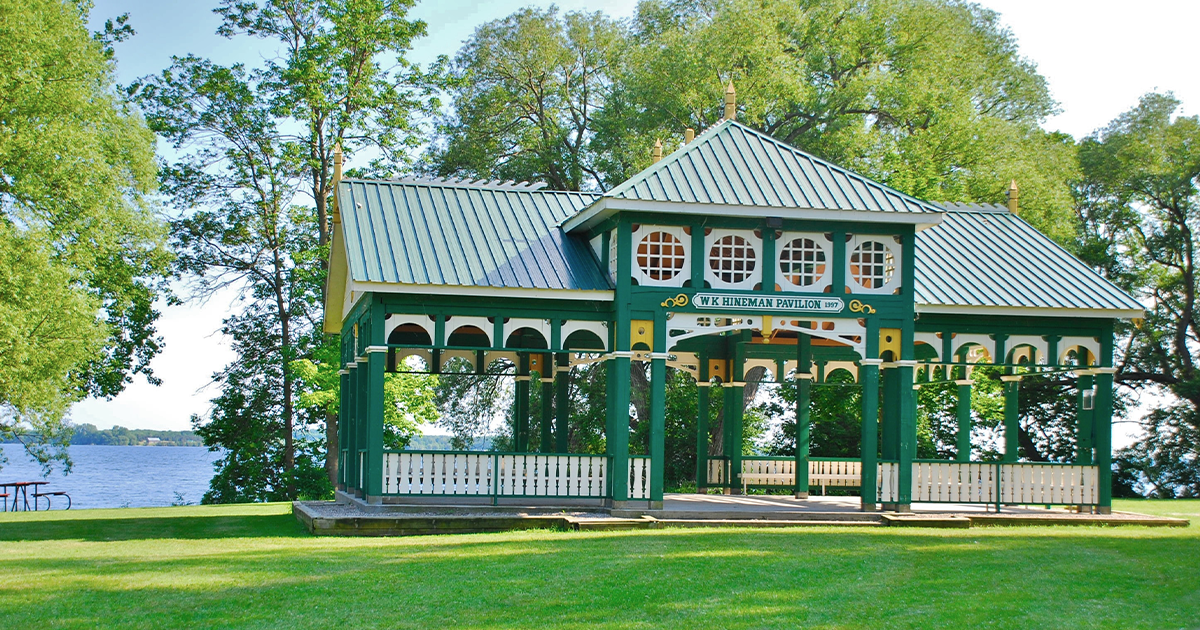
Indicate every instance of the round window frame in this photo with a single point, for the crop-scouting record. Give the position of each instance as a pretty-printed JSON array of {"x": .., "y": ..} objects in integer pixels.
[
  {"x": 822, "y": 244},
  {"x": 889, "y": 284},
  {"x": 753, "y": 243}
]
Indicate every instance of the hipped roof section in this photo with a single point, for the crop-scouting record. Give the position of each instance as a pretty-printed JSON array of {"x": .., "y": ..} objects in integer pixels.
[
  {"x": 456, "y": 235},
  {"x": 736, "y": 170},
  {"x": 985, "y": 257}
]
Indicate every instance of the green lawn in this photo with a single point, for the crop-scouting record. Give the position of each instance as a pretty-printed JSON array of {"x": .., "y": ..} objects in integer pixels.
[{"x": 254, "y": 566}]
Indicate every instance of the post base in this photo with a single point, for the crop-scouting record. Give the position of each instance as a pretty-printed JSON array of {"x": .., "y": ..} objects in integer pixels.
[
  {"x": 1104, "y": 509},
  {"x": 868, "y": 507},
  {"x": 801, "y": 495},
  {"x": 902, "y": 507}
]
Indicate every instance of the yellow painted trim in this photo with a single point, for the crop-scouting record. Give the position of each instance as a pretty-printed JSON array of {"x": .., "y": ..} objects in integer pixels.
[{"x": 641, "y": 331}]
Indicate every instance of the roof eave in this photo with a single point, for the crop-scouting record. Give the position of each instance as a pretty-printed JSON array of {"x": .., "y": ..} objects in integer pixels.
[
  {"x": 607, "y": 206},
  {"x": 1030, "y": 311},
  {"x": 605, "y": 295}
]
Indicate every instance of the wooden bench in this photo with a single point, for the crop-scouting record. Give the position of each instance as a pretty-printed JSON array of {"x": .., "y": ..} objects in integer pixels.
[
  {"x": 831, "y": 479},
  {"x": 766, "y": 478},
  {"x": 38, "y": 495}
]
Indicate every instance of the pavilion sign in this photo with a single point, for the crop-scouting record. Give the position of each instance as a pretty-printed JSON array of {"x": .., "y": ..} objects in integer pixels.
[{"x": 776, "y": 303}]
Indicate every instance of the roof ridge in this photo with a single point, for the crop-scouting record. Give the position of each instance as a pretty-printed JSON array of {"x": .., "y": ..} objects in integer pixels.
[
  {"x": 668, "y": 159},
  {"x": 841, "y": 169}
]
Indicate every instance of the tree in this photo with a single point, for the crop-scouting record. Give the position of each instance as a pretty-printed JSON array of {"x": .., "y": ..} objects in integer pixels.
[
  {"x": 82, "y": 257},
  {"x": 253, "y": 140},
  {"x": 1139, "y": 205}
]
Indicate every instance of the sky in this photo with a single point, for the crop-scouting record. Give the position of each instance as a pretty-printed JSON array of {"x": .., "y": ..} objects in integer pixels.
[{"x": 1098, "y": 57}]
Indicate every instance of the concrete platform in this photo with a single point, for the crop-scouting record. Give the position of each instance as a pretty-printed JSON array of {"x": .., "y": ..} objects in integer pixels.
[{"x": 356, "y": 518}]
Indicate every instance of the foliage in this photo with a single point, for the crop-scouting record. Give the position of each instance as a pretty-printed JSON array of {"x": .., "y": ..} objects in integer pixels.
[
  {"x": 526, "y": 89},
  {"x": 409, "y": 401},
  {"x": 251, "y": 140},
  {"x": 81, "y": 252},
  {"x": 466, "y": 404},
  {"x": 120, "y": 436},
  {"x": 1139, "y": 205}
]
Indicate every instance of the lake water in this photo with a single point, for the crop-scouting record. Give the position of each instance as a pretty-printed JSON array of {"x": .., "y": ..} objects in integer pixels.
[{"x": 121, "y": 476}]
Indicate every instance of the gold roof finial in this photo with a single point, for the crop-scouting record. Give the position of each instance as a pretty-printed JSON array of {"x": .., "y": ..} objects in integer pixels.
[
  {"x": 1013, "y": 194},
  {"x": 337, "y": 177},
  {"x": 730, "y": 102},
  {"x": 657, "y": 153},
  {"x": 689, "y": 134}
]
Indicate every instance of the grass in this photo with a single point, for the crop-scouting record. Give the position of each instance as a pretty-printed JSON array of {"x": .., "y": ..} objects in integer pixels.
[{"x": 253, "y": 566}]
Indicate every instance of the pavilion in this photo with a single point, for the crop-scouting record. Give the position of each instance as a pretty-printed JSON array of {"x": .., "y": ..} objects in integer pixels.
[{"x": 732, "y": 252}]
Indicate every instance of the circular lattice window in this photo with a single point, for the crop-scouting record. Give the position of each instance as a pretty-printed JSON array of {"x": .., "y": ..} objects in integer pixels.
[
  {"x": 802, "y": 262},
  {"x": 732, "y": 259},
  {"x": 872, "y": 265},
  {"x": 661, "y": 256}
]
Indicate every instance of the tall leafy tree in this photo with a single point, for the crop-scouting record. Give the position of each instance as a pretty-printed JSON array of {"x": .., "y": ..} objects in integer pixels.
[
  {"x": 526, "y": 90},
  {"x": 252, "y": 186},
  {"x": 1140, "y": 209},
  {"x": 82, "y": 257}
]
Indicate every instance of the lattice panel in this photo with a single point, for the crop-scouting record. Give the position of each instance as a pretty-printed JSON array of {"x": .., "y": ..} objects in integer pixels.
[
  {"x": 872, "y": 265},
  {"x": 803, "y": 262},
  {"x": 732, "y": 259},
  {"x": 660, "y": 256}
]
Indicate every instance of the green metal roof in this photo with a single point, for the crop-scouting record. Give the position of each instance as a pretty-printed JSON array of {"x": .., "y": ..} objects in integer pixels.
[
  {"x": 985, "y": 256},
  {"x": 463, "y": 234},
  {"x": 733, "y": 164}
]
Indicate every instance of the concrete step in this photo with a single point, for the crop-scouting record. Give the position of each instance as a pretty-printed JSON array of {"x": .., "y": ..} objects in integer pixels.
[
  {"x": 750, "y": 515},
  {"x": 705, "y": 522}
]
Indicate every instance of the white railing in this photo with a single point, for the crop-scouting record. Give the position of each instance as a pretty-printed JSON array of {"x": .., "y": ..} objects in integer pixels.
[
  {"x": 553, "y": 475},
  {"x": 1051, "y": 484},
  {"x": 954, "y": 483},
  {"x": 822, "y": 472},
  {"x": 488, "y": 474},
  {"x": 974, "y": 482},
  {"x": 639, "y": 477}
]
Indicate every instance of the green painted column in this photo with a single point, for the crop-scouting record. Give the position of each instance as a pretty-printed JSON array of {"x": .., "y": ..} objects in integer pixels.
[
  {"x": 376, "y": 364},
  {"x": 658, "y": 427},
  {"x": 521, "y": 405},
  {"x": 1012, "y": 389},
  {"x": 908, "y": 432},
  {"x": 770, "y": 260},
  {"x": 890, "y": 405},
  {"x": 546, "y": 444},
  {"x": 350, "y": 438},
  {"x": 703, "y": 384},
  {"x": 562, "y": 402},
  {"x": 1084, "y": 430},
  {"x": 1102, "y": 424},
  {"x": 617, "y": 426},
  {"x": 343, "y": 422},
  {"x": 735, "y": 413},
  {"x": 868, "y": 377},
  {"x": 804, "y": 377},
  {"x": 963, "y": 437},
  {"x": 362, "y": 423}
]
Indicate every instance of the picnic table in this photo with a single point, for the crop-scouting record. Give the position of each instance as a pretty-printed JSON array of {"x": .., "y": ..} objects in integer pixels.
[{"x": 20, "y": 495}]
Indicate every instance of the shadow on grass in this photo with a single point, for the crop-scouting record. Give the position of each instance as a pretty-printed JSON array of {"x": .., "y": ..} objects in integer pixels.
[{"x": 147, "y": 528}]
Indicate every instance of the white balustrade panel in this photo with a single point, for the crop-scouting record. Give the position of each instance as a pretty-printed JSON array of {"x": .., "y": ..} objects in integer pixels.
[
  {"x": 1049, "y": 484},
  {"x": 716, "y": 471},
  {"x": 639, "y": 477},
  {"x": 437, "y": 473},
  {"x": 887, "y": 489},
  {"x": 835, "y": 473},
  {"x": 953, "y": 483},
  {"x": 771, "y": 467},
  {"x": 553, "y": 475}
]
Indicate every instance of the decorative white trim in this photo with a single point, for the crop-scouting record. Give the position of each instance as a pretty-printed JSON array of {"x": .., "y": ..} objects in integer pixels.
[
  {"x": 375, "y": 349},
  {"x": 703, "y": 384},
  {"x": 621, "y": 354},
  {"x": 542, "y": 326},
  {"x": 353, "y": 365},
  {"x": 907, "y": 363},
  {"x": 822, "y": 245},
  {"x": 870, "y": 361},
  {"x": 1015, "y": 342},
  {"x": 664, "y": 356},
  {"x": 1010, "y": 378},
  {"x": 446, "y": 355},
  {"x": 1067, "y": 344},
  {"x": 984, "y": 341},
  {"x": 563, "y": 369},
  {"x": 456, "y": 322},
  {"x": 598, "y": 328},
  {"x": 753, "y": 244},
  {"x": 607, "y": 206},
  {"x": 362, "y": 359},
  {"x": 930, "y": 339},
  {"x": 964, "y": 381},
  {"x": 734, "y": 384},
  {"x": 343, "y": 372},
  {"x": 807, "y": 376},
  {"x": 395, "y": 320},
  {"x": 684, "y": 273},
  {"x": 890, "y": 248},
  {"x": 547, "y": 380},
  {"x": 1104, "y": 370},
  {"x": 521, "y": 378}
]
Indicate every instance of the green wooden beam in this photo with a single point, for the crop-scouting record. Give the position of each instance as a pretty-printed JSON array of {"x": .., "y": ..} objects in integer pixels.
[
  {"x": 702, "y": 408},
  {"x": 803, "y": 405},
  {"x": 562, "y": 402}
]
